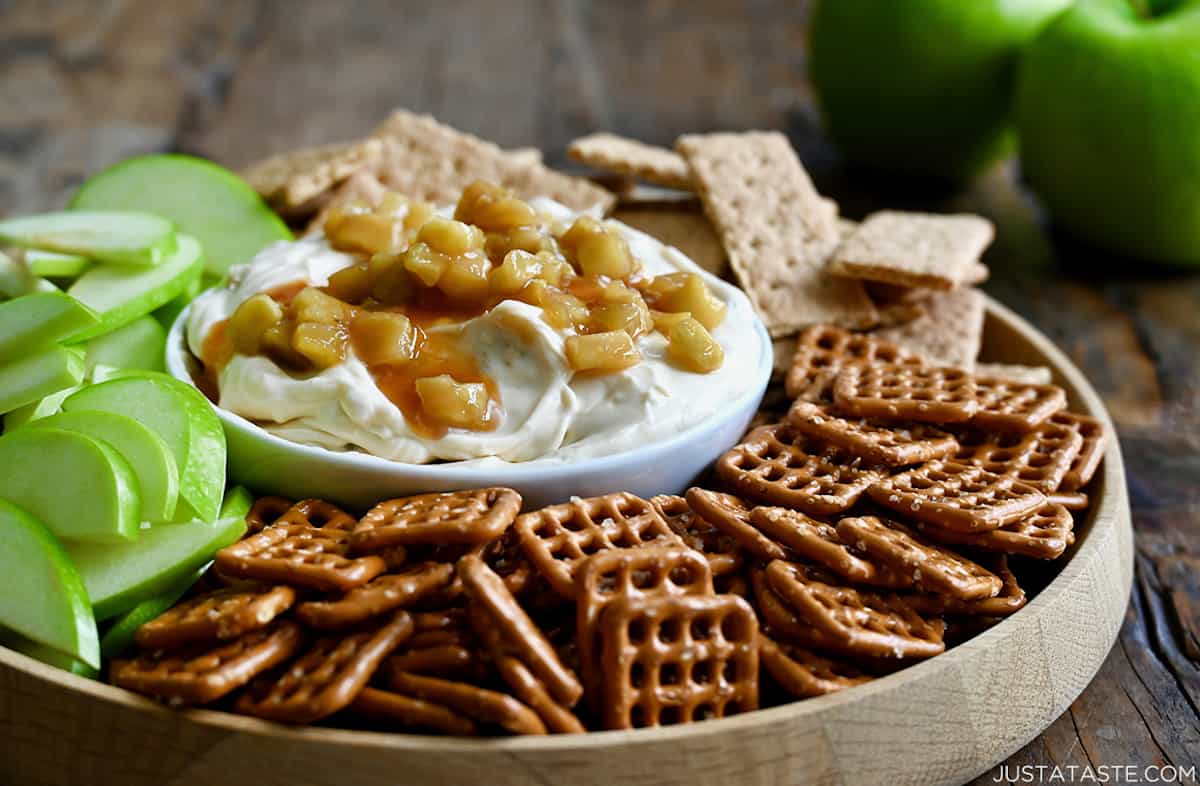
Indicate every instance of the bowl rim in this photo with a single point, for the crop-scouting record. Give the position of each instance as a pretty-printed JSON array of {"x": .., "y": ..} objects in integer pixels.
[
  {"x": 1108, "y": 518},
  {"x": 178, "y": 356}
]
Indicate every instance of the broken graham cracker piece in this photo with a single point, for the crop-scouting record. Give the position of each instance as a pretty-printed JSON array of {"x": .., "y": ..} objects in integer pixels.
[
  {"x": 632, "y": 158},
  {"x": 425, "y": 159},
  {"x": 950, "y": 332},
  {"x": 776, "y": 228},
  {"x": 1014, "y": 372},
  {"x": 687, "y": 230},
  {"x": 914, "y": 249},
  {"x": 292, "y": 179}
]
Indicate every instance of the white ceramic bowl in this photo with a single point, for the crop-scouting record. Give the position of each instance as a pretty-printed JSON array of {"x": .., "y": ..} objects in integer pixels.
[{"x": 271, "y": 465}]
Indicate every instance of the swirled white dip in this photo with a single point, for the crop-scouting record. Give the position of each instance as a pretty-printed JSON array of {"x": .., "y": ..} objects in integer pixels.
[{"x": 550, "y": 413}]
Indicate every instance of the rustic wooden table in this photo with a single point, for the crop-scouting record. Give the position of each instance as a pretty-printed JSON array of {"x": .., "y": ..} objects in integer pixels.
[{"x": 85, "y": 83}]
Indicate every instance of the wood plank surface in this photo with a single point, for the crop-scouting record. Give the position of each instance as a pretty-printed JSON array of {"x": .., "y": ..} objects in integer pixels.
[{"x": 84, "y": 83}]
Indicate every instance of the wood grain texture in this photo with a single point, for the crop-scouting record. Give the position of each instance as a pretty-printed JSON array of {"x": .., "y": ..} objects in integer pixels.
[
  {"x": 939, "y": 722},
  {"x": 86, "y": 82}
]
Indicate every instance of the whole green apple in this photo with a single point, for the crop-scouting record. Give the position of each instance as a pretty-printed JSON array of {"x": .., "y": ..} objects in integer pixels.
[
  {"x": 922, "y": 87},
  {"x": 1108, "y": 108}
]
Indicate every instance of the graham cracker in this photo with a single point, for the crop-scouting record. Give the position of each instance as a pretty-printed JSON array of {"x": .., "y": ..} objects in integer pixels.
[
  {"x": 949, "y": 333},
  {"x": 289, "y": 180},
  {"x": 1013, "y": 372},
  {"x": 425, "y": 159},
  {"x": 688, "y": 231},
  {"x": 776, "y": 229},
  {"x": 632, "y": 158},
  {"x": 914, "y": 249}
]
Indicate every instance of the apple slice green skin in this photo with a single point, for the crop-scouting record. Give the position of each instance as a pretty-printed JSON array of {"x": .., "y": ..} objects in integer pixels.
[
  {"x": 146, "y": 452},
  {"x": 41, "y": 320},
  {"x": 185, "y": 420},
  {"x": 51, "y": 264},
  {"x": 26, "y": 381},
  {"x": 79, "y": 487},
  {"x": 121, "y": 295},
  {"x": 120, "y": 576},
  {"x": 142, "y": 344},
  {"x": 204, "y": 200},
  {"x": 119, "y": 636},
  {"x": 166, "y": 315},
  {"x": 237, "y": 503},
  {"x": 48, "y": 655},
  {"x": 117, "y": 236},
  {"x": 44, "y": 597}
]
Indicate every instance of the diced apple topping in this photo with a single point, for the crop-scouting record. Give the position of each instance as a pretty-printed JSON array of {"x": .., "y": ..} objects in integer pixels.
[
  {"x": 456, "y": 404},
  {"x": 251, "y": 320},
  {"x": 602, "y": 352},
  {"x": 384, "y": 338},
  {"x": 416, "y": 269},
  {"x": 685, "y": 292},
  {"x": 691, "y": 346}
]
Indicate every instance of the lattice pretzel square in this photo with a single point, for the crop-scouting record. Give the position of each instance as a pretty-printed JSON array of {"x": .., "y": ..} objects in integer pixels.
[
  {"x": 888, "y": 444},
  {"x": 898, "y": 392},
  {"x": 866, "y": 623},
  {"x": 1040, "y": 458},
  {"x": 327, "y": 677},
  {"x": 778, "y": 466},
  {"x": 558, "y": 538},
  {"x": 1015, "y": 406},
  {"x": 640, "y": 572},
  {"x": 804, "y": 673},
  {"x": 200, "y": 675},
  {"x": 677, "y": 659},
  {"x": 822, "y": 351},
  {"x": 1043, "y": 534},
  {"x": 957, "y": 496},
  {"x": 932, "y": 568},
  {"x": 467, "y": 517},
  {"x": 1090, "y": 454},
  {"x": 219, "y": 615},
  {"x": 300, "y": 555}
]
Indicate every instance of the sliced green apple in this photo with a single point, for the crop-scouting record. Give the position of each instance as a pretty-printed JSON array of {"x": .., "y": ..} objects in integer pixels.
[
  {"x": 40, "y": 320},
  {"x": 120, "y": 576},
  {"x": 238, "y": 501},
  {"x": 48, "y": 655},
  {"x": 28, "y": 379},
  {"x": 121, "y": 295},
  {"x": 16, "y": 280},
  {"x": 119, "y": 636},
  {"x": 54, "y": 265},
  {"x": 44, "y": 597},
  {"x": 117, "y": 236},
  {"x": 167, "y": 314},
  {"x": 79, "y": 487},
  {"x": 185, "y": 420},
  {"x": 42, "y": 408},
  {"x": 204, "y": 200},
  {"x": 148, "y": 455},
  {"x": 142, "y": 344}
]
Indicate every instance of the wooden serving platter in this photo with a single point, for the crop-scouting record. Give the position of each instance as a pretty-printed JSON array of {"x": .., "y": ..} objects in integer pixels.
[{"x": 941, "y": 722}]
